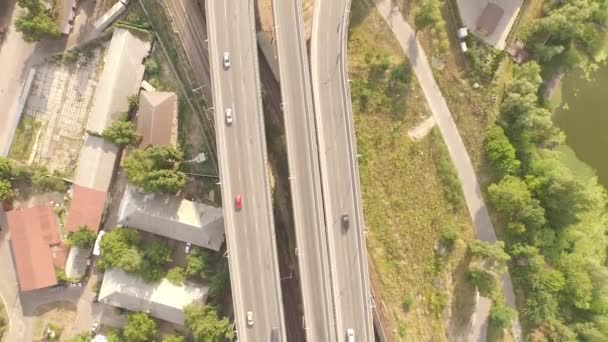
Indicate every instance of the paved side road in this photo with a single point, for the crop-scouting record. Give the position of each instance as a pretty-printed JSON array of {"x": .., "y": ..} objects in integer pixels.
[{"x": 458, "y": 153}]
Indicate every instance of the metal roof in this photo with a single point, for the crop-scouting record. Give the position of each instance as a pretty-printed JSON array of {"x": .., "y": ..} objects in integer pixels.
[
  {"x": 157, "y": 118},
  {"x": 121, "y": 77},
  {"x": 34, "y": 234},
  {"x": 160, "y": 299},
  {"x": 173, "y": 217}
]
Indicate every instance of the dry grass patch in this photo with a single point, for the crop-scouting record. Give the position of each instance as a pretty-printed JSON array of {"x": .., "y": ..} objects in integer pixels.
[
  {"x": 60, "y": 314},
  {"x": 405, "y": 208}
]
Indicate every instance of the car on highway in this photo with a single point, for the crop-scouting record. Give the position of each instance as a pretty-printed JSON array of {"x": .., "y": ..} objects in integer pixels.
[
  {"x": 345, "y": 221},
  {"x": 226, "y": 60},
  {"x": 238, "y": 202},
  {"x": 350, "y": 335},
  {"x": 274, "y": 335},
  {"x": 249, "y": 318},
  {"x": 229, "y": 117}
]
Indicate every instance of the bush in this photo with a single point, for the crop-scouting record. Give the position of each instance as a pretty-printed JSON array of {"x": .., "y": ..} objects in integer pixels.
[
  {"x": 155, "y": 169},
  {"x": 449, "y": 235},
  {"x": 121, "y": 133},
  {"x": 452, "y": 188},
  {"x": 501, "y": 315},
  {"x": 407, "y": 303},
  {"x": 36, "y": 22},
  {"x": 500, "y": 152},
  {"x": 484, "y": 280},
  {"x": 176, "y": 276},
  {"x": 140, "y": 328},
  {"x": 83, "y": 238}
]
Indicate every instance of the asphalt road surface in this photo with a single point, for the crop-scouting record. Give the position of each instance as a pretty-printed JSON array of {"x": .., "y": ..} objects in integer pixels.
[
  {"x": 305, "y": 181},
  {"x": 458, "y": 153},
  {"x": 339, "y": 169},
  {"x": 250, "y": 234}
]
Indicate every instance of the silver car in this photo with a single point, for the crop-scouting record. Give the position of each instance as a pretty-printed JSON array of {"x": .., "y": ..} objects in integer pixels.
[
  {"x": 229, "y": 117},
  {"x": 226, "y": 60},
  {"x": 249, "y": 318}
]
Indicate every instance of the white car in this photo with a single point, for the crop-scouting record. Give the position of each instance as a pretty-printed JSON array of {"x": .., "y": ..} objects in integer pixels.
[
  {"x": 187, "y": 249},
  {"x": 249, "y": 318},
  {"x": 229, "y": 117},
  {"x": 350, "y": 335},
  {"x": 226, "y": 60}
]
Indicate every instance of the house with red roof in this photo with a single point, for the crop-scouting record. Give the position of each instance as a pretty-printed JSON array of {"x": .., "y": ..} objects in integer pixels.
[{"x": 36, "y": 246}]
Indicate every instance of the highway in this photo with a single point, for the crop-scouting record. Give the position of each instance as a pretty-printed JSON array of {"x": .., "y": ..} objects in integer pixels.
[
  {"x": 339, "y": 168},
  {"x": 250, "y": 234},
  {"x": 305, "y": 182}
]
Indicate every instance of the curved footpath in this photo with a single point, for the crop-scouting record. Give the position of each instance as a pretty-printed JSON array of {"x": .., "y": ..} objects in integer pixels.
[{"x": 466, "y": 173}]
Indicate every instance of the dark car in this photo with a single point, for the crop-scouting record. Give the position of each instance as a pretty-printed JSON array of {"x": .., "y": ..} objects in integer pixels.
[{"x": 345, "y": 221}]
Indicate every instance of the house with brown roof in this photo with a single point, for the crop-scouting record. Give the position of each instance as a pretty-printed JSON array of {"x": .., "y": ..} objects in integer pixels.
[
  {"x": 157, "y": 118},
  {"x": 86, "y": 209},
  {"x": 36, "y": 246}
]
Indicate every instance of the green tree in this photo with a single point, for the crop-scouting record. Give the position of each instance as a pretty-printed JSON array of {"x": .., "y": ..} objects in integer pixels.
[
  {"x": 540, "y": 306},
  {"x": 176, "y": 276},
  {"x": 195, "y": 264},
  {"x": 140, "y": 328},
  {"x": 6, "y": 190},
  {"x": 493, "y": 254},
  {"x": 115, "y": 244},
  {"x": 131, "y": 260},
  {"x": 483, "y": 280},
  {"x": 500, "y": 152},
  {"x": 121, "y": 133},
  {"x": 427, "y": 14},
  {"x": 174, "y": 338},
  {"x": 513, "y": 200},
  {"x": 501, "y": 315},
  {"x": 83, "y": 238},
  {"x": 155, "y": 169},
  {"x": 82, "y": 337},
  {"x": 5, "y": 168},
  {"x": 36, "y": 23},
  {"x": 205, "y": 325},
  {"x": 155, "y": 257}
]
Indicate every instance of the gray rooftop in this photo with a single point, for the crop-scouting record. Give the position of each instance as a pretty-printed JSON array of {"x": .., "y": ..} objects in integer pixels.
[
  {"x": 160, "y": 299},
  {"x": 173, "y": 217},
  {"x": 121, "y": 77},
  {"x": 96, "y": 163}
]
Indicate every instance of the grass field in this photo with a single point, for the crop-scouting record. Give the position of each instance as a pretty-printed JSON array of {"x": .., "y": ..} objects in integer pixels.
[
  {"x": 405, "y": 207},
  {"x": 23, "y": 142}
]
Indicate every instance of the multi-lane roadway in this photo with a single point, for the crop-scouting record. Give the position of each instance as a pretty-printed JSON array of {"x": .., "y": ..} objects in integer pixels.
[
  {"x": 250, "y": 234},
  {"x": 339, "y": 168},
  {"x": 305, "y": 180}
]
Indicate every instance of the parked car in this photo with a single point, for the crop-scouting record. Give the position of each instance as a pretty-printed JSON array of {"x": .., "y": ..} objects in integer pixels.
[
  {"x": 94, "y": 328},
  {"x": 187, "y": 249}
]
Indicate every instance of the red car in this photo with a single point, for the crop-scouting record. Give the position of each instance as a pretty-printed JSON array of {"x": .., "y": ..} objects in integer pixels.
[{"x": 238, "y": 202}]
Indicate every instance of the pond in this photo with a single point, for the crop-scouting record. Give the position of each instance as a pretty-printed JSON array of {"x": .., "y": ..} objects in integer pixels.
[{"x": 583, "y": 116}]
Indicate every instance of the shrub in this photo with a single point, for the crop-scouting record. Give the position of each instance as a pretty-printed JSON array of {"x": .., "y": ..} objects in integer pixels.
[
  {"x": 83, "y": 238},
  {"x": 501, "y": 315},
  {"x": 176, "y": 276}
]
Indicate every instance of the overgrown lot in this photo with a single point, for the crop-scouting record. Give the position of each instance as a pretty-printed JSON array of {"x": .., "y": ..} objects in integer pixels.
[{"x": 407, "y": 203}]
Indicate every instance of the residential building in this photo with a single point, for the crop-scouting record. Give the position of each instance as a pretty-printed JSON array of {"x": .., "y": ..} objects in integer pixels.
[
  {"x": 161, "y": 299},
  {"x": 36, "y": 245},
  {"x": 172, "y": 217},
  {"x": 157, "y": 118}
]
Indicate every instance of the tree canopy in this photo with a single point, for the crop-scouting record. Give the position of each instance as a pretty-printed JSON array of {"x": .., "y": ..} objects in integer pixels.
[
  {"x": 203, "y": 322},
  {"x": 36, "y": 22},
  {"x": 121, "y": 133},
  {"x": 121, "y": 248},
  {"x": 140, "y": 328},
  {"x": 156, "y": 169},
  {"x": 83, "y": 238}
]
